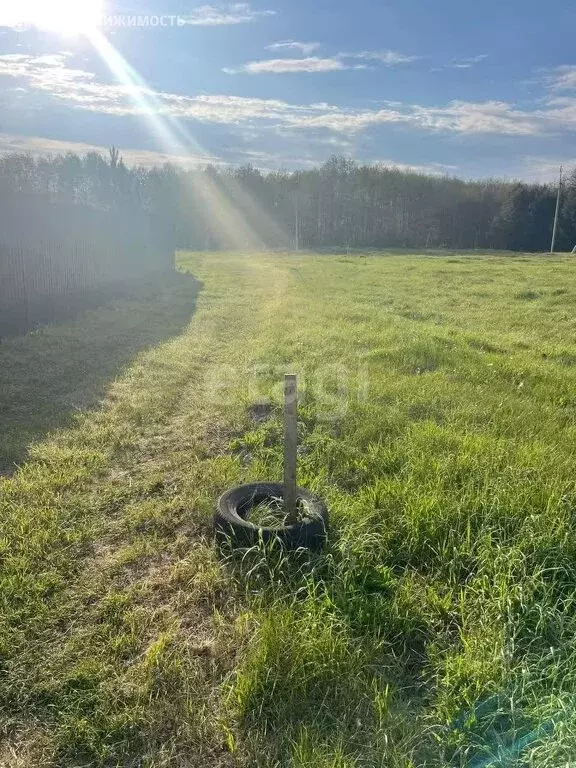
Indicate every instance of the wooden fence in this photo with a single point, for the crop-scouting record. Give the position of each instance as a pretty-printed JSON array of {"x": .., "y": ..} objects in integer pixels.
[{"x": 53, "y": 256}]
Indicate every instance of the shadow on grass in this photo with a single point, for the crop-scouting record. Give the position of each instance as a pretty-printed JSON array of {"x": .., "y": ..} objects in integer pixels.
[{"x": 52, "y": 373}]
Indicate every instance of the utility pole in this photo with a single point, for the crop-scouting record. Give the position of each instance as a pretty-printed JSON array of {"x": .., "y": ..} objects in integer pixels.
[{"x": 556, "y": 214}]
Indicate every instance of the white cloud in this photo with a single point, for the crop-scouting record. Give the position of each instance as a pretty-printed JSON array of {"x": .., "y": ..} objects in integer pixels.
[
  {"x": 497, "y": 117},
  {"x": 220, "y": 15},
  {"x": 564, "y": 78},
  {"x": 315, "y": 63},
  {"x": 348, "y": 121},
  {"x": 560, "y": 111},
  {"x": 431, "y": 169},
  {"x": 272, "y": 161},
  {"x": 51, "y": 76},
  {"x": 39, "y": 146},
  {"x": 283, "y": 66},
  {"x": 533, "y": 168},
  {"x": 390, "y": 58},
  {"x": 233, "y": 110},
  {"x": 293, "y": 45},
  {"x": 545, "y": 169},
  {"x": 466, "y": 63},
  {"x": 488, "y": 117}
]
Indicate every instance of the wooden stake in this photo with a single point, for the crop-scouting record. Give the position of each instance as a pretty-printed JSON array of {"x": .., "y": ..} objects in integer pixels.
[{"x": 290, "y": 447}]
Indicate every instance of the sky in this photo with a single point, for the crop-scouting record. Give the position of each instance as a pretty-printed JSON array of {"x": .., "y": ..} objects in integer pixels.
[{"x": 457, "y": 87}]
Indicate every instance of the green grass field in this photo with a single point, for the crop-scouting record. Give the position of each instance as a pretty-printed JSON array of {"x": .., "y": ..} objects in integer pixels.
[{"x": 438, "y": 420}]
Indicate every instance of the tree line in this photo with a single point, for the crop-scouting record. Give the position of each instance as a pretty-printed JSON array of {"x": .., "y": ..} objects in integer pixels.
[{"x": 340, "y": 204}]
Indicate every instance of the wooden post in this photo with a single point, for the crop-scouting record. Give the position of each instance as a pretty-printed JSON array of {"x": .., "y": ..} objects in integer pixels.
[{"x": 290, "y": 447}]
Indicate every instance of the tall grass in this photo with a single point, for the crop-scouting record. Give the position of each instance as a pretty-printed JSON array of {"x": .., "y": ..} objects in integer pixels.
[{"x": 437, "y": 628}]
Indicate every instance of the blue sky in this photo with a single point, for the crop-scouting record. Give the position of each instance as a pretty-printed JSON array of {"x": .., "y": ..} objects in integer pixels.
[{"x": 467, "y": 88}]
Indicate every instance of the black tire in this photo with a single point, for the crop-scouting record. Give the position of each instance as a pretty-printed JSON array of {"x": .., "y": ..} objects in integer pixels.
[{"x": 231, "y": 523}]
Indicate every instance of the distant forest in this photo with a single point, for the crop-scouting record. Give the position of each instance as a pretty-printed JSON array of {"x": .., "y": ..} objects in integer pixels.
[{"x": 340, "y": 204}]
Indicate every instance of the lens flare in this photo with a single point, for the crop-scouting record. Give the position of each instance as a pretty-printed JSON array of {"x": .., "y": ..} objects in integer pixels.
[{"x": 233, "y": 216}]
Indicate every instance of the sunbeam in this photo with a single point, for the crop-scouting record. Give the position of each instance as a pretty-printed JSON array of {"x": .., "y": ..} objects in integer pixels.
[{"x": 226, "y": 221}]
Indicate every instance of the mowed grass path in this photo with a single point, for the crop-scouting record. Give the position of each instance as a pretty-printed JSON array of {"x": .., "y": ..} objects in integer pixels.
[{"x": 438, "y": 420}]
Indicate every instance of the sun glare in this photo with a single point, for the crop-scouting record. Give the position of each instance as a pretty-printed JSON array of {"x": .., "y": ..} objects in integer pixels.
[{"x": 67, "y": 17}]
